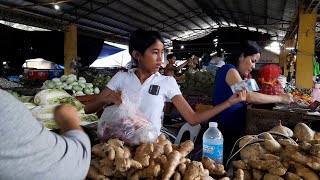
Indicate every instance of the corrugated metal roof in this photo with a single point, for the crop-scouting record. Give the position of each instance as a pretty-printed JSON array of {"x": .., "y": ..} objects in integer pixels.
[{"x": 176, "y": 19}]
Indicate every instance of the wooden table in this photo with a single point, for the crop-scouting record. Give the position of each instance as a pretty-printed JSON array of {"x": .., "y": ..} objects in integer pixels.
[{"x": 261, "y": 120}]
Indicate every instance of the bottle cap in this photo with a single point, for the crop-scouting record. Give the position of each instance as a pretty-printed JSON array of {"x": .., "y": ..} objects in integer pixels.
[{"x": 213, "y": 124}]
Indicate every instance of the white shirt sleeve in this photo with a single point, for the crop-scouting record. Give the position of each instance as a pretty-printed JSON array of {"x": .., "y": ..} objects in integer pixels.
[
  {"x": 114, "y": 83},
  {"x": 173, "y": 88}
]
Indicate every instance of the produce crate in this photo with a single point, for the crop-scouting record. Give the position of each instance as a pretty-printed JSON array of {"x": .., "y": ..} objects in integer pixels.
[
  {"x": 38, "y": 74},
  {"x": 55, "y": 73},
  {"x": 85, "y": 99}
]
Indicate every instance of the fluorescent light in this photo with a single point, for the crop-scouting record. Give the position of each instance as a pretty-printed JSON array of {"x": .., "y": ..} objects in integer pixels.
[
  {"x": 182, "y": 47},
  {"x": 289, "y": 48},
  {"x": 56, "y": 7}
]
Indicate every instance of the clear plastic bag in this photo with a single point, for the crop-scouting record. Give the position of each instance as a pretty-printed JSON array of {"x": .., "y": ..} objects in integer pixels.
[{"x": 127, "y": 123}]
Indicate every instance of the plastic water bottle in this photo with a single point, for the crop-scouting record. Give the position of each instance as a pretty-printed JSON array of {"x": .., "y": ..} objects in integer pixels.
[
  {"x": 316, "y": 93},
  {"x": 212, "y": 146}
]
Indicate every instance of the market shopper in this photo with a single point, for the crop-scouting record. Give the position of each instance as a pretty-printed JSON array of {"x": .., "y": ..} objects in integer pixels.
[
  {"x": 239, "y": 65},
  {"x": 171, "y": 69},
  {"x": 30, "y": 151},
  {"x": 146, "y": 48}
]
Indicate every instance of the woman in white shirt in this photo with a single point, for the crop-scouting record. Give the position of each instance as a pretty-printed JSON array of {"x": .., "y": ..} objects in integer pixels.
[{"x": 146, "y": 48}]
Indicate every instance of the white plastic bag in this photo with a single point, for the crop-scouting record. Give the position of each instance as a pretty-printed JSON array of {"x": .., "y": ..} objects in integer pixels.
[{"x": 127, "y": 123}]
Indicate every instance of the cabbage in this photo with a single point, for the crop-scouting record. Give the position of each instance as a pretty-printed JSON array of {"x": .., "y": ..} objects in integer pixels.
[
  {"x": 30, "y": 105},
  {"x": 49, "y": 96},
  {"x": 89, "y": 85},
  {"x": 96, "y": 90},
  {"x": 74, "y": 83},
  {"x": 43, "y": 113},
  {"x": 83, "y": 85},
  {"x": 56, "y": 80},
  {"x": 87, "y": 90},
  {"x": 79, "y": 93},
  {"x": 77, "y": 88},
  {"x": 58, "y": 83},
  {"x": 82, "y": 81},
  {"x": 68, "y": 87},
  {"x": 51, "y": 85},
  {"x": 63, "y": 78}
]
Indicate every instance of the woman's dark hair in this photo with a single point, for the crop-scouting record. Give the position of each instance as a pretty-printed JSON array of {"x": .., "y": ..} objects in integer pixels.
[
  {"x": 247, "y": 48},
  {"x": 140, "y": 40}
]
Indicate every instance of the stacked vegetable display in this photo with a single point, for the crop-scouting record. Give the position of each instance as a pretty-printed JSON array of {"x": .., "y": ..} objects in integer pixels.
[
  {"x": 280, "y": 154},
  {"x": 79, "y": 87},
  {"x": 42, "y": 106},
  {"x": 159, "y": 160},
  {"x": 198, "y": 83}
]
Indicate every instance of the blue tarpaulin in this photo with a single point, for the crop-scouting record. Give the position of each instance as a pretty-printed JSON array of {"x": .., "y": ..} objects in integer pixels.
[{"x": 108, "y": 50}]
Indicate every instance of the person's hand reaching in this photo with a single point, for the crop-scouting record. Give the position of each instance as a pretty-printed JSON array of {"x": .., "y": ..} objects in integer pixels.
[
  {"x": 67, "y": 118},
  {"x": 114, "y": 97},
  {"x": 286, "y": 98},
  {"x": 238, "y": 97}
]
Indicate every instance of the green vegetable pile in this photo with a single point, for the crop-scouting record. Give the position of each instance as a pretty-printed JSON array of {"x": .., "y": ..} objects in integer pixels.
[
  {"x": 198, "y": 83},
  {"x": 79, "y": 87},
  {"x": 101, "y": 81}
]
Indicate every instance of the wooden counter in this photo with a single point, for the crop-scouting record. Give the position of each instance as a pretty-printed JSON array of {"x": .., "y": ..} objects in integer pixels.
[{"x": 260, "y": 120}]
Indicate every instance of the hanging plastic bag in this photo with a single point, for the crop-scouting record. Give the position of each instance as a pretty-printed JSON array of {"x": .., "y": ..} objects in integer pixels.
[{"x": 127, "y": 123}]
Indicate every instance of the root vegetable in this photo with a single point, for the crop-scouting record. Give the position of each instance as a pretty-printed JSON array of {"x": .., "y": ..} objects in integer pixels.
[
  {"x": 142, "y": 154},
  {"x": 305, "y": 172},
  {"x": 292, "y": 176},
  {"x": 177, "y": 176},
  {"x": 303, "y": 133},
  {"x": 196, "y": 170},
  {"x": 94, "y": 174},
  {"x": 252, "y": 151},
  {"x": 272, "y": 177},
  {"x": 241, "y": 164},
  {"x": 270, "y": 143},
  {"x": 257, "y": 174},
  {"x": 272, "y": 166},
  {"x": 282, "y": 130},
  {"x": 151, "y": 171},
  {"x": 239, "y": 175},
  {"x": 214, "y": 168}
]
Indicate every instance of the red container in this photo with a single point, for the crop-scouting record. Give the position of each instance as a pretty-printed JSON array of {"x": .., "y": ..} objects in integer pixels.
[{"x": 38, "y": 74}]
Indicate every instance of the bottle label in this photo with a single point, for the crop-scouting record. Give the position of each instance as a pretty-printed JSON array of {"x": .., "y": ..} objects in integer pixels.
[{"x": 213, "y": 151}]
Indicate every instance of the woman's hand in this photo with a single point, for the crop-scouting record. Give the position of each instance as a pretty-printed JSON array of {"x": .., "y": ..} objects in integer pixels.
[
  {"x": 238, "y": 97},
  {"x": 286, "y": 98}
]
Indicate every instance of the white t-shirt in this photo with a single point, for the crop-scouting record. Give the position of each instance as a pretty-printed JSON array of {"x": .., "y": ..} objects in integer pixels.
[{"x": 151, "y": 105}]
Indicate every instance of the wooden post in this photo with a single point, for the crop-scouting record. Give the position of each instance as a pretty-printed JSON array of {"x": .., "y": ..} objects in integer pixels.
[
  {"x": 70, "y": 47},
  {"x": 306, "y": 46}
]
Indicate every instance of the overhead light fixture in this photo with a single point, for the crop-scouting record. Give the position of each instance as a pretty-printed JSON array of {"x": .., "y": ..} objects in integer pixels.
[
  {"x": 182, "y": 47},
  {"x": 56, "y": 7},
  {"x": 215, "y": 40},
  {"x": 289, "y": 48}
]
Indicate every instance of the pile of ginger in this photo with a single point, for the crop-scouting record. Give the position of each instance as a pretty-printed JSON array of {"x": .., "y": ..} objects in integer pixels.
[
  {"x": 160, "y": 160},
  {"x": 279, "y": 154}
]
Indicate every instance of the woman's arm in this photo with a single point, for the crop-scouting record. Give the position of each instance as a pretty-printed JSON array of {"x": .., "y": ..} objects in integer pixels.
[
  {"x": 233, "y": 77},
  {"x": 106, "y": 96},
  {"x": 194, "y": 118}
]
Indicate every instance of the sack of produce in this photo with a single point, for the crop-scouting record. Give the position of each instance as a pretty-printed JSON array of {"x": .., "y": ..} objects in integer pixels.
[
  {"x": 127, "y": 123},
  {"x": 268, "y": 80}
]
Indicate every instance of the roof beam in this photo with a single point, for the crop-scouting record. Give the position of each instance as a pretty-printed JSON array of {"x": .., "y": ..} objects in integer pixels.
[
  {"x": 130, "y": 23},
  {"x": 92, "y": 19},
  {"x": 251, "y": 12},
  {"x": 231, "y": 13},
  {"x": 192, "y": 10},
  {"x": 164, "y": 14},
  {"x": 146, "y": 15},
  {"x": 219, "y": 12}
]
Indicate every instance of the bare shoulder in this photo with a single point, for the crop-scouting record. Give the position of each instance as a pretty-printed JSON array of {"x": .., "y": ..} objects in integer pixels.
[{"x": 233, "y": 77}]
